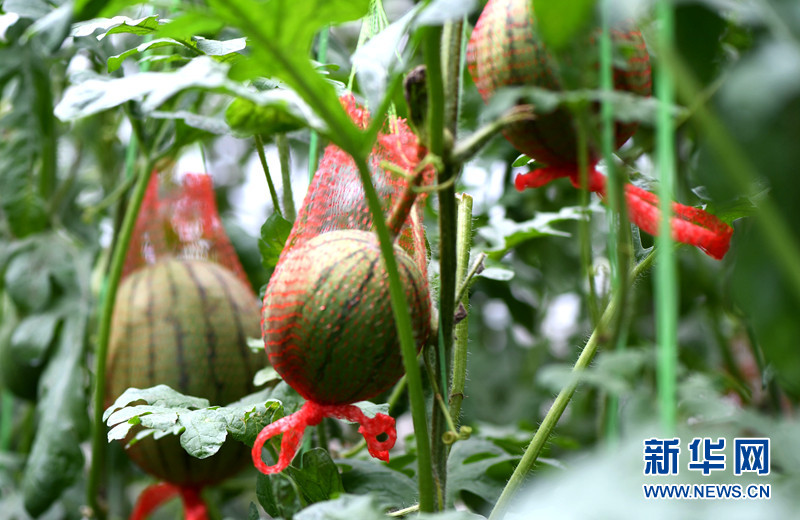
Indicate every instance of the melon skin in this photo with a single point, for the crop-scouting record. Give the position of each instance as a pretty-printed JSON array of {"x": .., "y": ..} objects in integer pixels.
[
  {"x": 327, "y": 319},
  {"x": 505, "y": 50},
  {"x": 185, "y": 324}
]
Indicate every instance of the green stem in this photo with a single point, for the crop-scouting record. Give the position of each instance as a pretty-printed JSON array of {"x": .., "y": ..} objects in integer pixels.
[
  {"x": 550, "y": 420},
  {"x": 408, "y": 348},
  {"x": 273, "y": 193},
  {"x": 451, "y": 65},
  {"x": 99, "y": 440},
  {"x": 584, "y": 225},
  {"x": 464, "y": 244},
  {"x": 432, "y": 51},
  {"x": 6, "y": 420},
  {"x": 666, "y": 287},
  {"x": 619, "y": 246},
  {"x": 286, "y": 177},
  {"x": 313, "y": 142}
]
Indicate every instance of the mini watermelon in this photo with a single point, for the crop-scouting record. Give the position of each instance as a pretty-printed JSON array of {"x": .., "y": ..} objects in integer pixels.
[
  {"x": 184, "y": 323},
  {"x": 327, "y": 319},
  {"x": 506, "y": 50}
]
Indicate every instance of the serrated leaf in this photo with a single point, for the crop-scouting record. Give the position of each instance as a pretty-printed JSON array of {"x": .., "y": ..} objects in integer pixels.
[
  {"x": 204, "y": 434},
  {"x": 318, "y": 477},
  {"x": 274, "y": 234},
  {"x": 160, "y": 395}
]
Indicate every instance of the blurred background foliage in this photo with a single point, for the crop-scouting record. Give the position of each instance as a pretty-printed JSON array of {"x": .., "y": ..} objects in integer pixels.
[{"x": 63, "y": 188}]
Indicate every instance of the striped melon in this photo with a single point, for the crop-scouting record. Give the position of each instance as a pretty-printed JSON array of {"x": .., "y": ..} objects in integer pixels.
[
  {"x": 184, "y": 323},
  {"x": 505, "y": 50},
  {"x": 327, "y": 318}
]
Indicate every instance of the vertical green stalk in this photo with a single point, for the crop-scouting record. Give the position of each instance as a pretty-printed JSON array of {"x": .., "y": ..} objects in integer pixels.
[
  {"x": 463, "y": 245},
  {"x": 108, "y": 297},
  {"x": 619, "y": 245},
  {"x": 273, "y": 193},
  {"x": 433, "y": 47},
  {"x": 6, "y": 420},
  {"x": 584, "y": 225},
  {"x": 408, "y": 348},
  {"x": 666, "y": 283},
  {"x": 286, "y": 177},
  {"x": 313, "y": 142}
]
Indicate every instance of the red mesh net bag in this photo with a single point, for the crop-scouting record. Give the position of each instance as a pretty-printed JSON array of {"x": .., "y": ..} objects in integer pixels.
[
  {"x": 327, "y": 320},
  {"x": 180, "y": 222},
  {"x": 183, "y": 312}
]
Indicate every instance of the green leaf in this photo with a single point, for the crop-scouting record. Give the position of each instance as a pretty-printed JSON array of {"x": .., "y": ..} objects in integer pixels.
[
  {"x": 265, "y": 495},
  {"x": 480, "y": 467},
  {"x": 346, "y": 507},
  {"x": 115, "y": 62},
  {"x": 504, "y": 234},
  {"x": 142, "y": 26},
  {"x": 318, "y": 478},
  {"x": 274, "y": 234},
  {"x": 390, "y": 488},
  {"x": 500, "y": 274},
  {"x": 522, "y": 160},
  {"x": 560, "y": 22},
  {"x": 248, "y": 118},
  {"x": 56, "y": 459},
  {"x": 27, "y": 279},
  {"x": 280, "y": 34},
  {"x": 219, "y": 47},
  {"x": 627, "y": 107},
  {"x": 33, "y": 338},
  {"x": 252, "y": 513},
  {"x": 203, "y": 429}
]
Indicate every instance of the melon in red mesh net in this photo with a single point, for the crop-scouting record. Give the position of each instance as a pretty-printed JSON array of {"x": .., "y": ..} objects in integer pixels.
[{"x": 505, "y": 50}]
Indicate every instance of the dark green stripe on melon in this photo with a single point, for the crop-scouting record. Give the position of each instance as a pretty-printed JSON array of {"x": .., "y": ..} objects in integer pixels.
[
  {"x": 327, "y": 318},
  {"x": 184, "y": 323}
]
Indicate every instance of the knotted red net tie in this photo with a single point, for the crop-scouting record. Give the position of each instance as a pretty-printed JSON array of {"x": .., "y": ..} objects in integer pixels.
[
  {"x": 153, "y": 496},
  {"x": 690, "y": 225},
  {"x": 292, "y": 427}
]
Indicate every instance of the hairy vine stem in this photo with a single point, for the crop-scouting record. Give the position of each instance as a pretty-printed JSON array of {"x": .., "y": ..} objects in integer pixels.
[{"x": 550, "y": 420}]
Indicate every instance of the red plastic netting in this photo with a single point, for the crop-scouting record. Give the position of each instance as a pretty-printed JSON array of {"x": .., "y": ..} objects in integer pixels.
[
  {"x": 336, "y": 201},
  {"x": 180, "y": 222}
]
